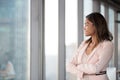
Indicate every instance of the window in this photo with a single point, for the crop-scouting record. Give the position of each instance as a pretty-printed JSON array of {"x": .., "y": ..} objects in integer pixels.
[
  {"x": 102, "y": 9},
  {"x": 118, "y": 41},
  {"x": 111, "y": 21},
  {"x": 51, "y": 39},
  {"x": 111, "y": 28},
  {"x": 15, "y": 38},
  {"x": 70, "y": 31},
  {"x": 87, "y": 10}
]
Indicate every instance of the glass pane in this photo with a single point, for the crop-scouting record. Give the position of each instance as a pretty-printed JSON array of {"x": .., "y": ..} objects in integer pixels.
[
  {"x": 70, "y": 31},
  {"x": 51, "y": 39},
  {"x": 111, "y": 20},
  {"x": 119, "y": 42},
  {"x": 87, "y": 10},
  {"x": 102, "y": 9},
  {"x": 111, "y": 28},
  {"x": 14, "y": 40}
]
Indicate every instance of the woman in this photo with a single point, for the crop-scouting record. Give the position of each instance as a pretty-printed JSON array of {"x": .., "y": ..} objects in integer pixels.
[
  {"x": 93, "y": 55},
  {"x": 7, "y": 71}
]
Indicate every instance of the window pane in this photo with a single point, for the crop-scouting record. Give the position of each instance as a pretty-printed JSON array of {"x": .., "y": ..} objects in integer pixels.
[
  {"x": 14, "y": 39},
  {"x": 119, "y": 42},
  {"x": 111, "y": 28},
  {"x": 51, "y": 39},
  {"x": 102, "y": 9},
  {"x": 70, "y": 31},
  {"x": 87, "y": 10},
  {"x": 87, "y": 7},
  {"x": 111, "y": 20}
]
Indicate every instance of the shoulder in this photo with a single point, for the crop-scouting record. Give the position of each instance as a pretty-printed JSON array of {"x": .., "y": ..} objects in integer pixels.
[
  {"x": 82, "y": 43},
  {"x": 107, "y": 43}
]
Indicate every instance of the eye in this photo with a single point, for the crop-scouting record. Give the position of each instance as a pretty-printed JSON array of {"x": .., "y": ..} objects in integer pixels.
[{"x": 86, "y": 24}]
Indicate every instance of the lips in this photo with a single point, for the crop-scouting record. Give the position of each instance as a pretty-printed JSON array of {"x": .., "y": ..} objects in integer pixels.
[{"x": 85, "y": 31}]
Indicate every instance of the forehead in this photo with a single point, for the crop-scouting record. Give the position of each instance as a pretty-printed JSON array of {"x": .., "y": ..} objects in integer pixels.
[{"x": 88, "y": 21}]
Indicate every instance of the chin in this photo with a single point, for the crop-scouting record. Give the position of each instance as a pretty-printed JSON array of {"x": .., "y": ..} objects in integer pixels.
[{"x": 87, "y": 35}]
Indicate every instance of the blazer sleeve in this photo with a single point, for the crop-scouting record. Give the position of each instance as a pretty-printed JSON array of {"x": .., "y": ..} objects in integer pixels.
[
  {"x": 105, "y": 55},
  {"x": 72, "y": 65}
]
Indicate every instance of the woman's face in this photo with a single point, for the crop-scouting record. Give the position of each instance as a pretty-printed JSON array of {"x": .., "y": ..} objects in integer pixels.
[{"x": 89, "y": 28}]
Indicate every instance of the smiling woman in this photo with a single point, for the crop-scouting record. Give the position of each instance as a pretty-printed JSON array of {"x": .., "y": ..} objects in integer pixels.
[
  {"x": 89, "y": 28},
  {"x": 94, "y": 54}
]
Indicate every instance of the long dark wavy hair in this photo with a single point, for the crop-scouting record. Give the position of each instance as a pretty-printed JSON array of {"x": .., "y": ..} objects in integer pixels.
[{"x": 101, "y": 27}]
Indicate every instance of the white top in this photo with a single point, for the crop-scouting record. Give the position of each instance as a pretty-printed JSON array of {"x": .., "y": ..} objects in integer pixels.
[
  {"x": 11, "y": 71},
  {"x": 84, "y": 60}
]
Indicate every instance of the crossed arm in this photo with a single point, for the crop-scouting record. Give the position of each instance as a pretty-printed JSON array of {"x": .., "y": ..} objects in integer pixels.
[{"x": 105, "y": 55}]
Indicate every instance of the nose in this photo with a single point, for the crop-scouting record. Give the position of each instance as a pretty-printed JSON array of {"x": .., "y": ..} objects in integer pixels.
[{"x": 84, "y": 28}]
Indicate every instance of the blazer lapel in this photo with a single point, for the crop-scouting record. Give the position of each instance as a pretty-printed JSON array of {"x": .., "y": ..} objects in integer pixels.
[
  {"x": 82, "y": 51},
  {"x": 93, "y": 52}
]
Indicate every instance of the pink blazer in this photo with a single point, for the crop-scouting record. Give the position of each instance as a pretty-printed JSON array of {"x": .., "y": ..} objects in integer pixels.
[{"x": 97, "y": 61}]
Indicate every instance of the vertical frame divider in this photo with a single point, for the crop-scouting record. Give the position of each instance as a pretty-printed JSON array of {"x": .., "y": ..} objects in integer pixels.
[
  {"x": 61, "y": 50},
  {"x": 80, "y": 21},
  {"x": 37, "y": 40}
]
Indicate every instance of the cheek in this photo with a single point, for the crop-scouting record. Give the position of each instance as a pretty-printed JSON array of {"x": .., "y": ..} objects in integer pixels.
[
  {"x": 90, "y": 31},
  {"x": 86, "y": 28}
]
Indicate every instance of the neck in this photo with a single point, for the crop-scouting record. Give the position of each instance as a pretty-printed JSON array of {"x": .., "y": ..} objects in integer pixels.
[{"x": 94, "y": 40}]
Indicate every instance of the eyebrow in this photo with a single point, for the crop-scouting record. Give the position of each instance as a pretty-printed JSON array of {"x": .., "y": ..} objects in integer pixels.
[{"x": 86, "y": 23}]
